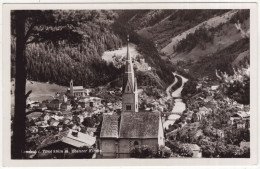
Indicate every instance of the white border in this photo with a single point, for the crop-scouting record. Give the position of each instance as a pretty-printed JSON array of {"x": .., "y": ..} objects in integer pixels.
[{"x": 129, "y": 162}]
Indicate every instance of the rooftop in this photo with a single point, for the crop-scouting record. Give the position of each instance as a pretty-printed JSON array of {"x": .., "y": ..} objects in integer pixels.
[
  {"x": 67, "y": 137},
  {"x": 77, "y": 88},
  {"x": 139, "y": 125},
  {"x": 109, "y": 127}
]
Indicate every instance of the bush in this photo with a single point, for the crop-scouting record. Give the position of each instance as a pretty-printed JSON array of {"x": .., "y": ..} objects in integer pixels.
[
  {"x": 142, "y": 152},
  {"x": 240, "y": 16},
  {"x": 199, "y": 37},
  {"x": 165, "y": 151},
  {"x": 189, "y": 88},
  {"x": 185, "y": 151},
  {"x": 180, "y": 149},
  {"x": 236, "y": 86}
]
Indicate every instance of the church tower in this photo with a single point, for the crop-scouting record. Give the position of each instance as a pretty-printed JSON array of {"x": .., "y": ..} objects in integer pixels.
[
  {"x": 71, "y": 88},
  {"x": 130, "y": 94}
]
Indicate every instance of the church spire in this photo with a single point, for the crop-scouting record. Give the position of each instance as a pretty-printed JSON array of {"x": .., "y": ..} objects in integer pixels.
[
  {"x": 129, "y": 72},
  {"x": 130, "y": 94},
  {"x": 127, "y": 53}
]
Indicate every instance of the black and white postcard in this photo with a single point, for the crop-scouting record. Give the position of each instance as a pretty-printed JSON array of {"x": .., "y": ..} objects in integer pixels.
[{"x": 101, "y": 83}]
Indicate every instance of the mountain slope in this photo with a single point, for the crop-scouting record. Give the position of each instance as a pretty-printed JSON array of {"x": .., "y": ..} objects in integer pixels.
[
  {"x": 191, "y": 38},
  {"x": 162, "y": 25},
  {"x": 221, "y": 60},
  {"x": 211, "y": 23}
]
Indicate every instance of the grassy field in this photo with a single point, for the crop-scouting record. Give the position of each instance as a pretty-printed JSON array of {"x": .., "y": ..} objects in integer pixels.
[
  {"x": 40, "y": 91},
  {"x": 108, "y": 55}
]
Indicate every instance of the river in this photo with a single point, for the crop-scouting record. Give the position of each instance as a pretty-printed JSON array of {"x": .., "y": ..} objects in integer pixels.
[{"x": 179, "y": 106}]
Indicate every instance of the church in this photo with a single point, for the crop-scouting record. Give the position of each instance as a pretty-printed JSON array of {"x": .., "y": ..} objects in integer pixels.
[
  {"x": 121, "y": 133},
  {"x": 77, "y": 91}
]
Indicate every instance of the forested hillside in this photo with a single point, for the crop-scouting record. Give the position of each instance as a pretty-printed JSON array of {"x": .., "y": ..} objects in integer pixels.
[{"x": 58, "y": 61}]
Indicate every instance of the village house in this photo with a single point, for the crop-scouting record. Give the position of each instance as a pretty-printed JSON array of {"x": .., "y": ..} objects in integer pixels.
[
  {"x": 54, "y": 104},
  {"x": 34, "y": 104},
  {"x": 186, "y": 70},
  {"x": 120, "y": 134},
  {"x": 214, "y": 87},
  {"x": 208, "y": 99},
  {"x": 66, "y": 123},
  {"x": 155, "y": 104},
  {"x": 61, "y": 97},
  {"x": 42, "y": 107},
  {"x": 86, "y": 114},
  {"x": 83, "y": 104},
  {"x": 34, "y": 116},
  {"x": 42, "y": 124},
  {"x": 33, "y": 129},
  {"x": 241, "y": 124},
  {"x": 196, "y": 150},
  {"x": 189, "y": 115},
  {"x": 241, "y": 115},
  {"x": 57, "y": 117},
  {"x": 65, "y": 106},
  {"x": 78, "y": 119},
  {"x": 182, "y": 124},
  {"x": 90, "y": 102},
  {"x": 76, "y": 127},
  {"x": 60, "y": 127},
  {"x": 54, "y": 122},
  {"x": 198, "y": 133},
  {"x": 196, "y": 117},
  {"x": 95, "y": 101},
  {"x": 244, "y": 144},
  {"x": 199, "y": 85},
  {"x": 220, "y": 133},
  {"x": 66, "y": 141},
  {"x": 46, "y": 117},
  {"x": 91, "y": 131},
  {"x": 67, "y": 115},
  {"x": 204, "y": 110}
]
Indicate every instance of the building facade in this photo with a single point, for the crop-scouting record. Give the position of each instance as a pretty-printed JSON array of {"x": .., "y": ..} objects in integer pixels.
[{"x": 76, "y": 91}]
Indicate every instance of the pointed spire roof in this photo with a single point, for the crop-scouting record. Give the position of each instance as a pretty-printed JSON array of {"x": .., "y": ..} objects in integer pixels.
[{"x": 129, "y": 71}]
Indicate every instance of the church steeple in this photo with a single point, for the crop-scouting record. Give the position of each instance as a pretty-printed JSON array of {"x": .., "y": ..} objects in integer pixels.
[
  {"x": 130, "y": 95},
  {"x": 129, "y": 83}
]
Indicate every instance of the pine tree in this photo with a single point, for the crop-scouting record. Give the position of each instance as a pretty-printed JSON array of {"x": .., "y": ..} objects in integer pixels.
[{"x": 32, "y": 27}]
